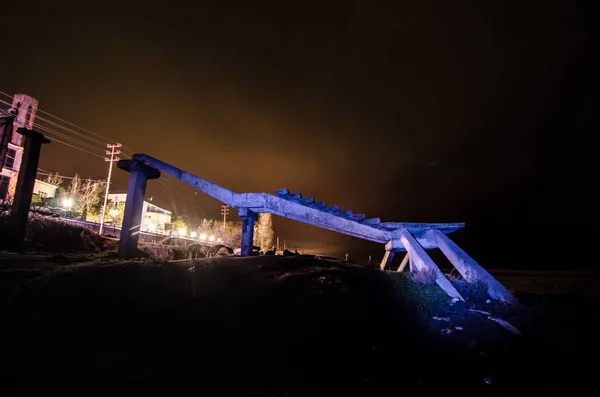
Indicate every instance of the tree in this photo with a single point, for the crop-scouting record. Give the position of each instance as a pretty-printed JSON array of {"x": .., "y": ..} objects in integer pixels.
[
  {"x": 231, "y": 236},
  {"x": 74, "y": 186},
  {"x": 98, "y": 202},
  {"x": 263, "y": 231},
  {"x": 86, "y": 195},
  {"x": 54, "y": 179},
  {"x": 178, "y": 223}
]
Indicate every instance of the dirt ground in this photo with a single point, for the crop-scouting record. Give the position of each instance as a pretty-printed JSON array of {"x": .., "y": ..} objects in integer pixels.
[{"x": 275, "y": 326}]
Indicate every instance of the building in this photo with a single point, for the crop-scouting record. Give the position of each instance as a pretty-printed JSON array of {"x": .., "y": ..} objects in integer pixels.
[
  {"x": 44, "y": 189},
  {"x": 22, "y": 114},
  {"x": 153, "y": 219}
]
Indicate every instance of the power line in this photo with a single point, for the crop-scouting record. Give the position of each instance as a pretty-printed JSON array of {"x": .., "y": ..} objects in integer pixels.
[
  {"x": 78, "y": 148},
  {"x": 103, "y": 138},
  {"x": 67, "y": 177},
  {"x": 61, "y": 135},
  {"x": 37, "y": 117}
]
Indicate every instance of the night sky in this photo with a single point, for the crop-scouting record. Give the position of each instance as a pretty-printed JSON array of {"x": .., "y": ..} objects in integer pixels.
[{"x": 422, "y": 111}]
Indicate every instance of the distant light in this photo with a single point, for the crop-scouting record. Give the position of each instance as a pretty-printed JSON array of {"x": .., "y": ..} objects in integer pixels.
[
  {"x": 193, "y": 234},
  {"x": 211, "y": 238},
  {"x": 181, "y": 232},
  {"x": 202, "y": 236},
  {"x": 219, "y": 240},
  {"x": 68, "y": 202}
]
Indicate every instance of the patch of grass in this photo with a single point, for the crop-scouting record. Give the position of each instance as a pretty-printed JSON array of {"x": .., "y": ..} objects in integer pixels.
[
  {"x": 420, "y": 290},
  {"x": 475, "y": 293},
  {"x": 44, "y": 234}
]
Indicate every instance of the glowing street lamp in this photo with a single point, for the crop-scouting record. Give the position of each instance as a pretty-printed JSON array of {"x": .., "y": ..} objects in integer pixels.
[
  {"x": 193, "y": 234},
  {"x": 219, "y": 240},
  {"x": 181, "y": 232},
  {"x": 202, "y": 236},
  {"x": 67, "y": 203},
  {"x": 211, "y": 238}
]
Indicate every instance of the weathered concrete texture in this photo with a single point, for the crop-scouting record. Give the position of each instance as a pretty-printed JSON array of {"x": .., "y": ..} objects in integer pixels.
[
  {"x": 413, "y": 238},
  {"x": 386, "y": 262},
  {"x": 406, "y": 260},
  {"x": 213, "y": 190},
  {"x": 248, "y": 219},
  {"x": 25, "y": 183},
  {"x": 423, "y": 262},
  {"x": 470, "y": 270},
  {"x": 139, "y": 173}
]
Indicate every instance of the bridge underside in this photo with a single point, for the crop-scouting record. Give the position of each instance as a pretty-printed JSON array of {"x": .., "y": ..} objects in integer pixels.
[{"x": 412, "y": 238}]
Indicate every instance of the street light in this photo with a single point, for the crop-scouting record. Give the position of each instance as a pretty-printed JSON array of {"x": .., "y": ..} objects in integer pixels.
[
  {"x": 67, "y": 203},
  {"x": 181, "y": 232},
  {"x": 211, "y": 238},
  {"x": 193, "y": 234},
  {"x": 202, "y": 236}
]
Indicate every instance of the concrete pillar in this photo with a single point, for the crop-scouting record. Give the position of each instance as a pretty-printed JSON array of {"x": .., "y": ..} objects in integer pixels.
[
  {"x": 470, "y": 270},
  {"x": 248, "y": 219},
  {"x": 6, "y": 130},
  {"x": 386, "y": 262},
  {"x": 33, "y": 141},
  {"x": 25, "y": 182},
  {"x": 423, "y": 262},
  {"x": 139, "y": 173},
  {"x": 405, "y": 260}
]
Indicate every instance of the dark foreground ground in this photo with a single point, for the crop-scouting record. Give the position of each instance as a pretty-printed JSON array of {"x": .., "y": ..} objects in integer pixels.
[{"x": 278, "y": 326}]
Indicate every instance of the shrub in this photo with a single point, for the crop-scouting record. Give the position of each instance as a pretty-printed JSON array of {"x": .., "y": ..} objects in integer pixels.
[
  {"x": 161, "y": 252},
  {"x": 45, "y": 234},
  {"x": 475, "y": 292}
]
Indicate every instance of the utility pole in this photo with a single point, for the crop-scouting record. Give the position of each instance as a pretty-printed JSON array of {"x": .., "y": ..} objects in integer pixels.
[
  {"x": 224, "y": 212},
  {"x": 111, "y": 160}
]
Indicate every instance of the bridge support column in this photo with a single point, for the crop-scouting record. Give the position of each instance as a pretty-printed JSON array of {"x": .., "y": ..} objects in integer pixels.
[
  {"x": 386, "y": 262},
  {"x": 25, "y": 183},
  {"x": 423, "y": 262},
  {"x": 139, "y": 173},
  {"x": 406, "y": 260},
  {"x": 248, "y": 219},
  {"x": 470, "y": 270}
]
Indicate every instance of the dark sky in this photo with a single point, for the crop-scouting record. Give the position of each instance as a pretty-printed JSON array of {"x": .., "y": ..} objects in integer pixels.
[{"x": 471, "y": 111}]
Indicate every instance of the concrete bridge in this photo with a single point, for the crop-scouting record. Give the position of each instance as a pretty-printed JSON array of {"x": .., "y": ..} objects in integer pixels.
[{"x": 412, "y": 238}]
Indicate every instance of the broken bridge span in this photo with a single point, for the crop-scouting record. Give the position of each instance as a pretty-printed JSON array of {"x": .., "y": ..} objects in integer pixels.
[{"x": 412, "y": 238}]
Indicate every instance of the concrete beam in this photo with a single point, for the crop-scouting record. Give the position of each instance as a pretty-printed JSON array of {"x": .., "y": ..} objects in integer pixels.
[
  {"x": 470, "y": 270},
  {"x": 405, "y": 260},
  {"x": 139, "y": 173},
  {"x": 423, "y": 262},
  {"x": 213, "y": 190},
  {"x": 386, "y": 262},
  {"x": 397, "y": 246},
  {"x": 263, "y": 202},
  {"x": 293, "y": 206},
  {"x": 418, "y": 229}
]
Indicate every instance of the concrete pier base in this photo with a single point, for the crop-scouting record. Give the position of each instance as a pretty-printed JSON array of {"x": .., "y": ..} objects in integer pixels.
[
  {"x": 139, "y": 173},
  {"x": 405, "y": 261},
  {"x": 470, "y": 270},
  {"x": 423, "y": 262},
  {"x": 386, "y": 262}
]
